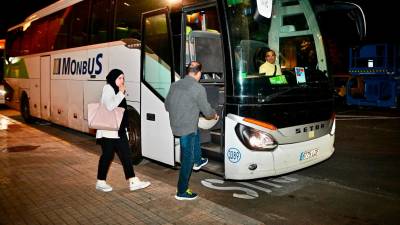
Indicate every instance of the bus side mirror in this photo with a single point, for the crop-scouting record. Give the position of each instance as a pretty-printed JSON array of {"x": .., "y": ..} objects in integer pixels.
[{"x": 265, "y": 8}]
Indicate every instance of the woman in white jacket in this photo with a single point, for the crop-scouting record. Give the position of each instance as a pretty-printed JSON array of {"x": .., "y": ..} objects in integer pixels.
[{"x": 116, "y": 141}]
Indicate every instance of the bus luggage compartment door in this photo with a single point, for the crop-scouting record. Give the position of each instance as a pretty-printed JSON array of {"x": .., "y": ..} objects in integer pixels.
[{"x": 45, "y": 87}]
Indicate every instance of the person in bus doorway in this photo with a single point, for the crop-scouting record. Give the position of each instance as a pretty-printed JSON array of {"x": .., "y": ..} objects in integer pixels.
[
  {"x": 270, "y": 67},
  {"x": 185, "y": 100},
  {"x": 113, "y": 96}
]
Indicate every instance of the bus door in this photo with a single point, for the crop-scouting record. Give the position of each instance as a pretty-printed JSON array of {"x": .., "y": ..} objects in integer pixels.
[
  {"x": 156, "y": 76},
  {"x": 203, "y": 42},
  {"x": 45, "y": 87}
]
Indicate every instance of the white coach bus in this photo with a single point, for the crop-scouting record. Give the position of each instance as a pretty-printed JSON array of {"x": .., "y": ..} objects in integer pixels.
[{"x": 57, "y": 59}]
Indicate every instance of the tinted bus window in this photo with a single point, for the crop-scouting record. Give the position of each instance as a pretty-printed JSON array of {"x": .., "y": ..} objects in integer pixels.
[
  {"x": 55, "y": 22},
  {"x": 298, "y": 51},
  {"x": 79, "y": 24},
  {"x": 127, "y": 23},
  {"x": 61, "y": 41},
  {"x": 99, "y": 21},
  {"x": 157, "y": 63},
  {"x": 296, "y": 22},
  {"x": 13, "y": 43},
  {"x": 128, "y": 15},
  {"x": 39, "y": 39},
  {"x": 157, "y": 37},
  {"x": 26, "y": 41}
]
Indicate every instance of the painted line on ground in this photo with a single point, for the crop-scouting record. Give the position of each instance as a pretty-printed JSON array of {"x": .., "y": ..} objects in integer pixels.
[
  {"x": 281, "y": 180},
  {"x": 255, "y": 187},
  {"x": 251, "y": 188},
  {"x": 270, "y": 184},
  {"x": 290, "y": 178}
]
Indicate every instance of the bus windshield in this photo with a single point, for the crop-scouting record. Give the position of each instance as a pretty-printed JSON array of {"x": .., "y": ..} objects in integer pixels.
[{"x": 296, "y": 67}]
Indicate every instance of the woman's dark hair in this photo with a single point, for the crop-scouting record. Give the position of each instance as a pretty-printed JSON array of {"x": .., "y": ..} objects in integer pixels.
[{"x": 112, "y": 76}]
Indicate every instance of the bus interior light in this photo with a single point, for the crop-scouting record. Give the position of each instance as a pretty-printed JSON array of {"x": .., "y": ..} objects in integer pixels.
[{"x": 255, "y": 139}]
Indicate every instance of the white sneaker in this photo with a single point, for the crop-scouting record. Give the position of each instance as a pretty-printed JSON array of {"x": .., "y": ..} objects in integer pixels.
[
  {"x": 136, "y": 184},
  {"x": 101, "y": 185}
]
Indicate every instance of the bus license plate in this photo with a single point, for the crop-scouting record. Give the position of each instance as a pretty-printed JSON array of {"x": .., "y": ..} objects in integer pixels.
[{"x": 308, "y": 154}]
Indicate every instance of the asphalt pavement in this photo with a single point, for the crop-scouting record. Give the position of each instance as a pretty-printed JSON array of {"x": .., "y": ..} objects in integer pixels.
[{"x": 48, "y": 173}]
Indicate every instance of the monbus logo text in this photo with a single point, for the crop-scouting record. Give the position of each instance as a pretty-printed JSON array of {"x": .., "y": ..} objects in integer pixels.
[{"x": 70, "y": 66}]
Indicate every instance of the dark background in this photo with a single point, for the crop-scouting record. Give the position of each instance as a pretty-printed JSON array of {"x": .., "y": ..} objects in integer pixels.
[
  {"x": 15, "y": 11},
  {"x": 382, "y": 17}
]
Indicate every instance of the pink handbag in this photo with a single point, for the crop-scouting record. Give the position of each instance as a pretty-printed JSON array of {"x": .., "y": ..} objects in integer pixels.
[{"x": 101, "y": 119}]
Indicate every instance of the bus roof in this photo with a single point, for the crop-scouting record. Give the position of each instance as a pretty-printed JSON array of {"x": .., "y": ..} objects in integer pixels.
[{"x": 61, "y": 4}]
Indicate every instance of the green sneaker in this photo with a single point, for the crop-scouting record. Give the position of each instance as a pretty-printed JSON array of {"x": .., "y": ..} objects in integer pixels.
[{"x": 188, "y": 195}]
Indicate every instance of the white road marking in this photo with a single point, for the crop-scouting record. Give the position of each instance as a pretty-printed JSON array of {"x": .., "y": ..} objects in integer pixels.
[
  {"x": 250, "y": 194},
  {"x": 274, "y": 216},
  {"x": 281, "y": 180},
  {"x": 269, "y": 183},
  {"x": 245, "y": 196},
  {"x": 255, "y": 187},
  {"x": 290, "y": 178}
]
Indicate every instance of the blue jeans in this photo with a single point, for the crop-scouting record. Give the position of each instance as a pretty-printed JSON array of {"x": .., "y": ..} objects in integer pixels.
[
  {"x": 197, "y": 149},
  {"x": 190, "y": 150}
]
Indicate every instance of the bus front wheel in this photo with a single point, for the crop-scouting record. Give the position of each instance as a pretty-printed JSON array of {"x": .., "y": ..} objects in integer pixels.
[
  {"x": 134, "y": 135},
  {"x": 24, "y": 108}
]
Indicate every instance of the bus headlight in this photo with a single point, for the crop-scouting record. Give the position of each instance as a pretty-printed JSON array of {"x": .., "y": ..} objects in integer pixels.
[{"x": 255, "y": 139}]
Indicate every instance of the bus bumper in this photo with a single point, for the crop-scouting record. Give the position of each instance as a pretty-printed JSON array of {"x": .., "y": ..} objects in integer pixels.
[{"x": 242, "y": 163}]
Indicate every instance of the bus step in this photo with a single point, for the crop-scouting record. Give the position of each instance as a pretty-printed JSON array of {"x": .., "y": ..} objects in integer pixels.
[
  {"x": 216, "y": 136},
  {"x": 212, "y": 147},
  {"x": 214, "y": 167},
  {"x": 212, "y": 151}
]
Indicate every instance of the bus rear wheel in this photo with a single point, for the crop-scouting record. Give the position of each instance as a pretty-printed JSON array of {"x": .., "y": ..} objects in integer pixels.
[
  {"x": 24, "y": 108},
  {"x": 134, "y": 135}
]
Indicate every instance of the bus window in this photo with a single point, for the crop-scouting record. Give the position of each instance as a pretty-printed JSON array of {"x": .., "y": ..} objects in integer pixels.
[
  {"x": 13, "y": 43},
  {"x": 204, "y": 44},
  {"x": 128, "y": 14},
  {"x": 74, "y": 26},
  {"x": 27, "y": 41},
  {"x": 39, "y": 41},
  {"x": 298, "y": 51},
  {"x": 79, "y": 21},
  {"x": 62, "y": 33},
  {"x": 295, "y": 23},
  {"x": 249, "y": 35},
  {"x": 53, "y": 29},
  {"x": 127, "y": 23},
  {"x": 157, "y": 63},
  {"x": 99, "y": 21}
]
